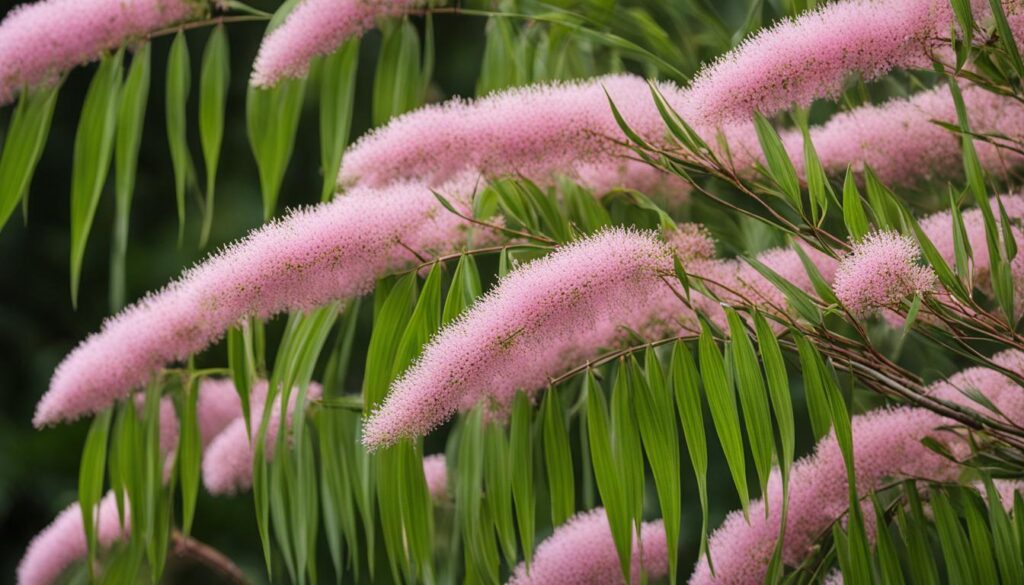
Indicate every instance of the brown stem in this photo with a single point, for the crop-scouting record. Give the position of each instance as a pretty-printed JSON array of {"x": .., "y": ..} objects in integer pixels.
[{"x": 189, "y": 549}]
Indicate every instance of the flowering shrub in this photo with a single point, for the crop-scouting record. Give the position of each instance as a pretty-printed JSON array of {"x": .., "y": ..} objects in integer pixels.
[{"x": 517, "y": 327}]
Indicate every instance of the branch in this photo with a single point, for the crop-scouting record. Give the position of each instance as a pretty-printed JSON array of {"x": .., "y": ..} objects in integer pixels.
[{"x": 190, "y": 549}]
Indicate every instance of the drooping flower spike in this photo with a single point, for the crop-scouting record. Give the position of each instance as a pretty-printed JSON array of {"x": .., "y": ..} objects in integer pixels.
[
  {"x": 582, "y": 552},
  {"x": 334, "y": 251},
  {"x": 532, "y": 131},
  {"x": 41, "y": 41},
  {"x": 812, "y": 56},
  {"x": 227, "y": 461},
  {"x": 62, "y": 543},
  {"x": 541, "y": 318},
  {"x": 887, "y": 444},
  {"x": 318, "y": 27},
  {"x": 435, "y": 471}
]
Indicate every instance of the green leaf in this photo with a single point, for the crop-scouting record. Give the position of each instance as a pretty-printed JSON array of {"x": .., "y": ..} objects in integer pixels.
[
  {"x": 241, "y": 367},
  {"x": 558, "y": 458},
  {"x": 657, "y": 423},
  {"x": 885, "y": 549},
  {"x": 798, "y": 299},
  {"x": 611, "y": 483},
  {"x": 336, "y": 481},
  {"x": 952, "y": 540},
  {"x": 814, "y": 390},
  {"x": 384, "y": 340},
  {"x": 753, "y": 398},
  {"x": 465, "y": 288},
  {"x": 498, "y": 67},
  {"x": 962, "y": 250},
  {"x": 179, "y": 77},
  {"x": 90, "y": 478},
  {"x": 498, "y": 488},
  {"x": 397, "y": 83},
  {"x": 190, "y": 451},
  {"x": 780, "y": 168},
  {"x": 26, "y": 137},
  {"x": 818, "y": 186},
  {"x": 94, "y": 145},
  {"x": 853, "y": 210},
  {"x": 130, "y": 120},
  {"x": 272, "y": 120},
  {"x": 475, "y": 524},
  {"x": 214, "y": 80},
  {"x": 521, "y": 465},
  {"x": 724, "y": 412},
  {"x": 1007, "y": 547},
  {"x": 686, "y": 385},
  {"x": 1006, "y": 40},
  {"x": 981, "y": 546},
  {"x": 912, "y": 524},
  {"x": 337, "y": 96}
]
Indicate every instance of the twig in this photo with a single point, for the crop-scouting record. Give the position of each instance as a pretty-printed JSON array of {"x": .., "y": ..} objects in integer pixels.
[{"x": 189, "y": 549}]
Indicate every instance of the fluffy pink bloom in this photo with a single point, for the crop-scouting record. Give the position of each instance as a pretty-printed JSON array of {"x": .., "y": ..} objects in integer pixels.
[
  {"x": 582, "y": 552},
  {"x": 39, "y": 42},
  {"x": 62, "y": 543},
  {"x": 318, "y": 27},
  {"x": 887, "y": 444},
  {"x": 533, "y": 131},
  {"x": 227, "y": 461},
  {"x": 880, "y": 271},
  {"x": 435, "y": 470},
  {"x": 333, "y": 251},
  {"x": 541, "y": 319},
  {"x": 810, "y": 57},
  {"x": 218, "y": 406}
]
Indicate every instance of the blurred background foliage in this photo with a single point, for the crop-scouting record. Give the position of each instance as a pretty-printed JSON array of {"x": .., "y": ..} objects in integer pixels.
[{"x": 38, "y": 326}]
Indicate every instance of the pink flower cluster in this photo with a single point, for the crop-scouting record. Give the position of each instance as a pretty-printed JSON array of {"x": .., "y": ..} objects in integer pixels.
[
  {"x": 582, "y": 552},
  {"x": 543, "y": 317},
  {"x": 532, "y": 131},
  {"x": 435, "y": 471},
  {"x": 880, "y": 271},
  {"x": 318, "y": 27},
  {"x": 227, "y": 461},
  {"x": 334, "y": 251},
  {"x": 39, "y": 42},
  {"x": 887, "y": 444},
  {"x": 812, "y": 56},
  {"x": 62, "y": 543}
]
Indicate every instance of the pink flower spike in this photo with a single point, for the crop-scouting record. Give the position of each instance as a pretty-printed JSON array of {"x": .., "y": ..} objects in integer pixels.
[
  {"x": 582, "y": 552},
  {"x": 62, "y": 543},
  {"x": 812, "y": 56},
  {"x": 334, "y": 251},
  {"x": 435, "y": 470},
  {"x": 881, "y": 271},
  {"x": 539, "y": 321},
  {"x": 227, "y": 461},
  {"x": 41, "y": 41},
  {"x": 218, "y": 406},
  {"x": 537, "y": 132},
  {"x": 318, "y": 27}
]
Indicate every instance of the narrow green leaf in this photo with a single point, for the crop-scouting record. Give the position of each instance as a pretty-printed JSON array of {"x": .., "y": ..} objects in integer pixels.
[
  {"x": 686, "y": 385},
  {"x": 753, "y": 398},
  {"x": 797, "y": 298},
  {"x": 272, "y": 120},
  {"x": 337, "y": 96},
  {"x": 498, "y": 488},
  {"x": 558, "y": 458},
  {"x": 1006, "y": 40},
  {"x": 979, "y": 537},
  {"x": 952, "y": 540},
  {"x": 521, "y": 465},
  {"x": 465, "y": 288},
  {"x": 214, "y": 80},
  {"x": 190, "y": 450},
  {"x": 26, "y": 136},
  {"x": 178, "y": 86},
  {"x": 1007, "y": 547},
  {"x": 397, "y": 84},
  {"x": 912, "y": 524},
  {"x": 853, "y": 210},
  {"x": 724, "y": 412},
  {"x": 384, "y": 341},
  {"x": 90, "y": 478},
  {"x": 814, "y": 391},
  {"x": 885, "y": 549},
  {"x": 94, "y": 145},
  {"x": 130, "y": 120},
  {"x": 780, "y": 168}
]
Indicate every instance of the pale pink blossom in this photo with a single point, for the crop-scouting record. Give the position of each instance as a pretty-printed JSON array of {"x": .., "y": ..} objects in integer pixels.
[
  {"x": 318, "y": 27},
  {"x": 334, "y": 251},
  {"x": 880, "y": 271},
  {"x": 540, "y": 320},
  {"x": 435, "y": 471},
  {"x": 532, "y": 131},
  {"x": 228, "y": 459},
  {"x": 582, "y": 552},
  {"x": 41, "y": 41},
  {"x": 812, "y": 56},
  {"x": 887, "y": 445},
  {"x": 217, "y": 406},
  {"x": 62, "y": 543}
]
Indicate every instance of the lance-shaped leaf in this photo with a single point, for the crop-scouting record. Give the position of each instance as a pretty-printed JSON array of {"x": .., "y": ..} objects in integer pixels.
[
  {"x": 337, "y": 96},
  {"x": 853, "y": 209},
  {"x": 558, "y": 458},
  {"x": 686, "y": 385},
  {"x": 753, "y": 397},
  {"x": 190, "y": 451},
  {"x": 90, "y": 478},
  {"x": 26, "y": 137},
  {"x": 780, "y": 168},
  {"x": 397, "y": 84},
  {"x": 178, "y": 86},
  {"x": 214, "y": 79},
  {"x": 94, "y": 145},
  {"x": 272, "y": 120},
  {"x": 521, "y": 465},
  {"x": 130, "y": 119},
  {"x": 724, "y": 412}
]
